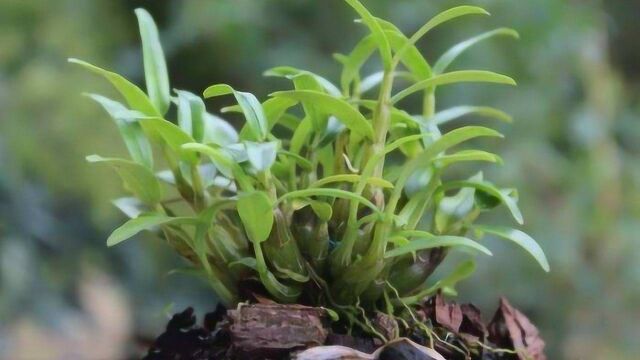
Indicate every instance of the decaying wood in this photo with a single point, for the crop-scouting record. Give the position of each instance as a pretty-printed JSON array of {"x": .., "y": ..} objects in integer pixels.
[{"x": 263, "y": 330}]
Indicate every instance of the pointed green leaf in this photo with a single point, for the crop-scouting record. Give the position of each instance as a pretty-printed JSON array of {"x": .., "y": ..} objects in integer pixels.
[
  {"x": 487, "y": 187},
  {"x": 219, "y": 132},
  {"x": 441, "y": 18},
  {"x": 172, "y": 135},
  {"x": 424, "y": 243},
  {"x": 454, "y": 113},
  {"x": 450, "y": 56},
  {"x": 137, "y": 178},
  {"x": 144, "y": 222},
  {"x": 256, "y": 212},
  {"x": 251, "y": 107},
  {"x": 136, "y": 98},
  {"x": 520, "y": 238},
  {"x": 131, "y": 132},
  {"x": 468, "y": 155},
  {"x": 155, "y": 66},
  {"x": 262, "y": 155},
  {"x": 352, "y": 178},
  {"x": 453, "y": 78},
  {"x": 191, "y": 114},
  {"x": 376, "y": 31},
  {"x": 330, "y": 193},
  {"x": 291, "y": 72},
  {"x": 346, "y": 113}
]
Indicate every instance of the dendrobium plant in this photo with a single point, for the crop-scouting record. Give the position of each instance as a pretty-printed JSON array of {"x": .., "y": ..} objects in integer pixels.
[{"x": 329, "y": 195}]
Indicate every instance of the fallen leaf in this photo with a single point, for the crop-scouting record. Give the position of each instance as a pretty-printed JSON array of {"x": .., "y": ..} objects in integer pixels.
[{"x": 512, "y": 329}]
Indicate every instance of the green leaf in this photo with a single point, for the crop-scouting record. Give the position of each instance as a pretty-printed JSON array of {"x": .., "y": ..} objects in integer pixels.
[
  {"x": 262, "y": 155},
  {"x": 172, "y": 135},
  {"x": 251, "y": 107},
  {"x": 454, "y": 209},
  {"x": 450, "y": 139},
  {"x": 323, "y": 210},
  {"x": 352, "y": 178},
  {"x": 131, "y": 132},
  {"x": 346, "y": 113},
  {"x": 428, "y": 241},
  {"x": 275, "y": 108},
  {"x": 191, "y": 114},
  {"x": 222, "y": 161},
  {"x": 144, "y": 222},
  {"x": 291, "y": 72},
  {"x": 256, "y": 212},
  {"x": 219, "y": 132},
  {"x": 136, "y": 98},
  {"x": 453, "y": 78},
  {"x": 520, "y": 238},
  {"x": 412, "y": 59},
  {"x": 454, "y": 113},
  {"x": 468, "y": 155},
  {"x": 302, "y": 162},
  {"x": 376, "y": 31},
  {"x": 330, "y": 193},
  {"x": 137, "y": 178},
  {"x": 450, "y": 56},
  {"x": 490, "y": 189},
  {"x": 441, "y": 18},
  {"x": 155, "y": 66}
]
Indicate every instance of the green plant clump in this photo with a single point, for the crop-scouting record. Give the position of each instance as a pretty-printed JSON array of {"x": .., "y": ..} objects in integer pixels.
[{"x": 327, "y": 195}]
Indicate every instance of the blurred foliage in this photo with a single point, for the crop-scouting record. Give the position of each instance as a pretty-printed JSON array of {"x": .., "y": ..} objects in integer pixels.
[{"x": 572, "y": 150}]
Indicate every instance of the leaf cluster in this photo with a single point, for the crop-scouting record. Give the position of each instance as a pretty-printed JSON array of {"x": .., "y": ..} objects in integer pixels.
[{"x": 327, "y": 194}]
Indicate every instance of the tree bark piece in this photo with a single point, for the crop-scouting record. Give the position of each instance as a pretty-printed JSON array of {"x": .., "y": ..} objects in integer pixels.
[
  {"x": 268, "y": 330},
  {"x": 512, "y": 329}
]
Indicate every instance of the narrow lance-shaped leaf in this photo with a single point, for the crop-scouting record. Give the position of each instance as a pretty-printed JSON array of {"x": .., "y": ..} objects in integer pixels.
[
  {"x": 467, "y": 155},
  {"x": 520, "y": 238},
  {"x": 447, "y": 141},
  {"x": 330, "y": 193},
  {"x": 173, "y": 135},
  {"x": 452, "y": 78},
  {"x": 137, "y": 178},
  {"x": 144, "y": 222},
  {"x": 131, "y": 131},
  {"x": 424, "y": 243},
  {"x": 490, "y": 189},
  {"x": 135, "y": 97},
  {"x": 450, "y": 56},
  {"x": 191, "y": 114},
  {"x": 251, "y": 107},
  {"x": 291, "y": 72},
  {"x": 274, "y": 110},
  {"x": 441, "y": 18},
  {"x": 376, "y": 31},
  {"x": 155, "y": 66},
  {"x": 346, "y": 113},
  {"x": 457, "y": 112},
  {"x": 352, "y": 178}
]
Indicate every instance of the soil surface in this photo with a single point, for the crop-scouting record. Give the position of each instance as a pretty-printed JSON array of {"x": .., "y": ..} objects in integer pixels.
[{"x": 273, "y": 331}]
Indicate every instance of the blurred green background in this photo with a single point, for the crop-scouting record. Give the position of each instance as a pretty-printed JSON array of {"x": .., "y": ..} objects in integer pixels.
[{"x": 572, "y": 152}]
